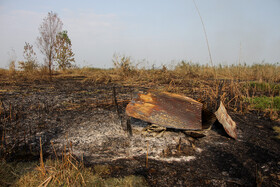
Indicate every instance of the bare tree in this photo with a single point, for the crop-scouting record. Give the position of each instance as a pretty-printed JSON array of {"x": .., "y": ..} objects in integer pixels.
[{"x": 49, "y": 29}]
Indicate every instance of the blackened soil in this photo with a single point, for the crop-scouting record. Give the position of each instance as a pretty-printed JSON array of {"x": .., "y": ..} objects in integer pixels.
[{"x": 30, "y": 111}]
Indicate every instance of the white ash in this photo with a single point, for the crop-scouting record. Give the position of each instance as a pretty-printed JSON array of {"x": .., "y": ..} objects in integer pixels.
[{"x": 105, "y": 139}]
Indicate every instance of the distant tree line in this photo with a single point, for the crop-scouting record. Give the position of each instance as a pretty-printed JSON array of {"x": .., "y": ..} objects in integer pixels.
[{"x": 55, "y": 45}]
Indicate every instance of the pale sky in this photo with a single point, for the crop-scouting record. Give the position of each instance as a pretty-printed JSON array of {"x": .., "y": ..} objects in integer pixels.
[{"x": 159, "y": 31}]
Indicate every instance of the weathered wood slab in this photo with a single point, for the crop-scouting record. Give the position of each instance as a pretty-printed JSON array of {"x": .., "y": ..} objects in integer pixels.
[
  {"x": 228, "y": 124},
  {"x": 167, "y": 109}
]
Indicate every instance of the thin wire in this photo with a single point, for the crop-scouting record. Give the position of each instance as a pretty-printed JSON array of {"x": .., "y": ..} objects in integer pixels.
[{"x": 204, "y": 33}]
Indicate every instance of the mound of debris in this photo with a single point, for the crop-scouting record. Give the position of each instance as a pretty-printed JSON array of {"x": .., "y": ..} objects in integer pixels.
[{"x": 179, "y": 112}]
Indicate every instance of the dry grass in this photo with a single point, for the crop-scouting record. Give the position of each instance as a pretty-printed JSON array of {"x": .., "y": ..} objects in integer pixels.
[
  {"x": 126, "y": 71},
  {"x": 234, "y": 83},
  {"x": 64, "y": 171},
  {"x": 61, "y": 174}
]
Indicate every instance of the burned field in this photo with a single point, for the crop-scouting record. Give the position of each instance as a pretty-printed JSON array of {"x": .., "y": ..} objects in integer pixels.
[{"x": 88, "y": 119}]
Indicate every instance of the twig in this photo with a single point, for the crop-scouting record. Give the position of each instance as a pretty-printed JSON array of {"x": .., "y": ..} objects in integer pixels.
[
  {"x": 116, "y": 102},
  {"x": 46, "y": 182},
  {"x": 41, "y": 158},
  {"x": 117, "y": 107},
  {"x": 72, "y": 163},
  {"x": 147, "y": 155},
  {"x": 54, "y": 151},
  {"x": 179, "y": 145},
  {"x": 82, "y": 178},
  {"x": 2, "y": 104},
  {"x": 128, "y": 126},
  {"x": 50, "y": 178}
]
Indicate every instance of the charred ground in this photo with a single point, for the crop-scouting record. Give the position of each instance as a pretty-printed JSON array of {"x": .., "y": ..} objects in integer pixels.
[{"x": 75, "y": 110}]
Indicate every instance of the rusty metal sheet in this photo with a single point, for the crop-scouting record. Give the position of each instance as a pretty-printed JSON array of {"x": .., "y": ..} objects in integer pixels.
[
  {"x": 167, "y": 109},
  {"x": 228, "y": 124}
]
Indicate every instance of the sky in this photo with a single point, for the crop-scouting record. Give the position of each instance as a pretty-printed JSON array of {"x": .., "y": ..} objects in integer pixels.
[{"x": 159, "y": 32}]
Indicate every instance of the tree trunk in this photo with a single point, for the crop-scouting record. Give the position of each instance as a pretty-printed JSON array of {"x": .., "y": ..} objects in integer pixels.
[
  {"x": 50, "y": 67},
  {"x": 50, "y": 72}
]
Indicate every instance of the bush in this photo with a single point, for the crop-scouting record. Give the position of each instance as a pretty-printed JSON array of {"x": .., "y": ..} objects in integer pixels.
[
  {"x": 31, "y": 59},
  {"x": 123, "y": 65},
  {"x": 28, "y": 66}
]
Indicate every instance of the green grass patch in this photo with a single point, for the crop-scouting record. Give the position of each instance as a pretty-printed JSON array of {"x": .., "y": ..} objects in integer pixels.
[
  {"x": 265, "y": 103},
  {"x": 264, "y": 86}
]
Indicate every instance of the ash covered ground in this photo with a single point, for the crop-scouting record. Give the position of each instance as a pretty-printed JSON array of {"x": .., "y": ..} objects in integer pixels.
[{"x": 82, "y": 116}]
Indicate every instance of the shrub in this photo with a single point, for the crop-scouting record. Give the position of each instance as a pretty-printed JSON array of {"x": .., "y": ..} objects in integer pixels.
[{"x": 30, "y": 64}]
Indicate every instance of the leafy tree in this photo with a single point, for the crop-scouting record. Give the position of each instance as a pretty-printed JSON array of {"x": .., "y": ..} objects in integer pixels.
[
  {"x": 49, "y": 29},
  {"x": 64, "y": 54},
  {"x": 30, "y": 63}
]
